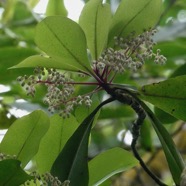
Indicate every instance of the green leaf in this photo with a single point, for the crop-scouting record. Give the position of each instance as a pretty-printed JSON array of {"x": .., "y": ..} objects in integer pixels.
[
  {"x": 56, "y": 8},
  {"x": 174, "y": 159},
  {"x": 145, "y": 136},
  {"x": 24, "y": 135},
  {"x": 10, "y": 56},
  {"x": 95, "y": 21},
  {"x": 134, "y": 16},
  {"x": 48, "y": 62},
  {"x": 71, "y": 164},
  {"x": 11, "y": 174},
  {"x": 164, "y": 117},
  {"x": 63, "y": 40},
  {"x": 53, "y": 142},
  {"x": 168, "y": 95},
  {"x": 109, "y": 163}
]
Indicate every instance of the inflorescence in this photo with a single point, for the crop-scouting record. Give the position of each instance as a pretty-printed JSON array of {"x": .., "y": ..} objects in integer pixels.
[
  {"x": 46, "y": 179},
  {"x": 129, "y": 53},
  {"x": 60, "y": 90}
]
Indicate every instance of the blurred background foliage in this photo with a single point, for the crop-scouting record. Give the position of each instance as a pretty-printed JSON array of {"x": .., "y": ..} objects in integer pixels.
[{"x": 17, "y": 25}]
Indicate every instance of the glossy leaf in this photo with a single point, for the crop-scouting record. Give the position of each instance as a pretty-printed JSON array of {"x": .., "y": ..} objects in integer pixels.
[
  {"x": 56, "y": 8},
  {"x": 53, "y": 142},
  {"x": 134, "y": 16},
  {"x": 95, "y": 21},
  {"x": 48, "y": 62},
  {"x": 168, "y": 95},
  {"x": 24, "y": 135},
  {"x": 63, "y": 40},
  {"x": 71, "y": 164},
  {"x": 109, "y": 163},
  {"x": 174, "y": 159},
  {"x": 11, "y": 174}
]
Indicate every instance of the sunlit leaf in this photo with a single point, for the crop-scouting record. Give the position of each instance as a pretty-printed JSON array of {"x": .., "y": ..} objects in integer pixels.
[
  {"x": 109, "y": 163},
  {"x": 63, "y": 40},
  {"x": 134, "y": 16},
  {"x": 23, "y": 137},
  {"x": 48, "y": 62},
  {"x": 71, "y": 164},
  {"x": 52, "y": 143},
  {"x": 95, "y": 21},
  {"x": 168, "y": 95},
  {"x": 11, "y": 174}
]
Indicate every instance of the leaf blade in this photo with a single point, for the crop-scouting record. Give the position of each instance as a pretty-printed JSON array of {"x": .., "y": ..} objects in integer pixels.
[
  {"x": 109, "y": 163},
  {"x": 59, "y": 132},
  {"x": 27, "y": 133},
  {"x": 11, "y": 174},
  {"x": 41, "y": 61},
  {"x": 174, "y": 159},
  {"x": 75, "y": 168},
  {"x": 95, "y": 21},
  {"x": 58, "y": 37},
  {"x": 129, "y": 16},
  {"x": 168, "y": 95}
]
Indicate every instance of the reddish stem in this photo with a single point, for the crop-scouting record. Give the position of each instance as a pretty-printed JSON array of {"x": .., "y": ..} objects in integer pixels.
[{"x": 71, "y": 83}]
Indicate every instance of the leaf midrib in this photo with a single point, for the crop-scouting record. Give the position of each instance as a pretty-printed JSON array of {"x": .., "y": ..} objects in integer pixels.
[
  {"x": 124, "y": 26},
  {"x": 78, "y": 149},
  {"x": 27, "y": 139},
  {"x": 58, "y": 39}
]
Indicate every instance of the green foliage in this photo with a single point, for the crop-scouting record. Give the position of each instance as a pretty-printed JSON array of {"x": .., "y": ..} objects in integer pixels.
[
  {"x": 133, "y": 16},
  {"x": 169, "y": 95},
  {"x": 71, "y": 164},
  {"x": 24, "y": 136},
  {"x": 52, "y": 38},
  {"x": 174, "y": 159},
  {"x": 11, "y": 174},
  {"x": 95, "y": 20},
  {"x": 54, "y": 140},
  {"x": 103, "y": 43},
  {"x": 118, "y": 160}
]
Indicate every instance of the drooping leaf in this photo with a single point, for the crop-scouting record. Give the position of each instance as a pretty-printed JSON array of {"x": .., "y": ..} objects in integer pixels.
[
  {"x": 23, "y": 137},
  {"x": 174, "y": 159},
  {"x": 71, "y": 164},
  {"x": 53, "y": 142},
  {"x": 48, "y": 62},
  {"x": 145, "y": 136},
  {"x": 168, "y": 95},
  {"x": 11, "y": 174},
  {"x": 95, "y": 21},
  {"x": 63, "y": 40},
  {"x": 56, "y": 8},
  {"x": 134, "y": 16},
  {"x": 109, "y": 163}
]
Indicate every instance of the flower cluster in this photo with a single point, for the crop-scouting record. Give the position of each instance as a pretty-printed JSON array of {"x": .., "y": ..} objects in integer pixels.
[
  {"x": 131, "y": 53},
  {"x": 6, "y": 156},
  {"x": 46, "y": 180},
  {"x": 60, "y": 90}
]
